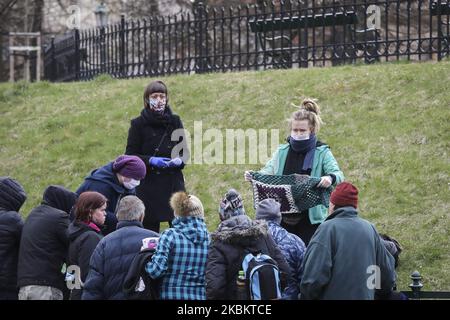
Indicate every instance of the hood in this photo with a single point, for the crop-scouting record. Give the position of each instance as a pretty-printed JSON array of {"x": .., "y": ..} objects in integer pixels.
[
  {"x": 60, "y": 198},
  {"x": 12, "y": 194},
  {"x": 106, "y": 175},
  {"x": 77, "y": 228},
  {"x": 193, "y": 228},
  {"x": 240, "y": 230}
]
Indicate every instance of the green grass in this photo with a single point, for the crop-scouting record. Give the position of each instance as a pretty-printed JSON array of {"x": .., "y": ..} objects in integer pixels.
[{"x": 387, "y": 124}]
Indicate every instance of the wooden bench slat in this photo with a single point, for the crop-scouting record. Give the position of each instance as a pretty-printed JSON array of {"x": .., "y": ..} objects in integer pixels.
[{"x": 319, "y": 20}]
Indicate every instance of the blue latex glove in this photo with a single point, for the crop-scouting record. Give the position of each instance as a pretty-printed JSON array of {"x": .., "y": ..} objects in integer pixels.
[
  {"x": 176, "y": 162},
  {"x": 159, "y": 162}
]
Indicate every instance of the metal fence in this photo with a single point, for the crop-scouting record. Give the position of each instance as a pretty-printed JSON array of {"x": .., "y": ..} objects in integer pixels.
[{"x": 289, "y": 34}]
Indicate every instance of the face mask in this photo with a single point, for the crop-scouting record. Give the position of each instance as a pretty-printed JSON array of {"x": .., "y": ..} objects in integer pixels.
[
  {"x": 300, "y": 137},
  {"x": 131, "y": 184},
  {"x": 157, "y": 105}
]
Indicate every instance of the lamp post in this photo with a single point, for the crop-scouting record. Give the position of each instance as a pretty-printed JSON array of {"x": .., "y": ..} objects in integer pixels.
[{"x": 101, "y": 16}]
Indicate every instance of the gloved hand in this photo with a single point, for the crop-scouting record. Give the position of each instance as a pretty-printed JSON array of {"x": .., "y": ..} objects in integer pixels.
[
  {"x": 176, "y": 162},
  {"x": 159, "y": 162}
]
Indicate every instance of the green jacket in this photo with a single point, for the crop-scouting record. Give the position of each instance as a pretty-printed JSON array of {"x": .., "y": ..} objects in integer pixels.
[
  {"x": 346, "y": 260},
  {"x": 324, "y": 163}
]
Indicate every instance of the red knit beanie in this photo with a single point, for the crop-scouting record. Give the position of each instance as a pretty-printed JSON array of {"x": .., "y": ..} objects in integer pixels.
[{"x": 344, "y": 195}]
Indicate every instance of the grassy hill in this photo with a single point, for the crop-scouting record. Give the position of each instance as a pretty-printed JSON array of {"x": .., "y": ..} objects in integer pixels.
[{"x": 388, "y": 127}]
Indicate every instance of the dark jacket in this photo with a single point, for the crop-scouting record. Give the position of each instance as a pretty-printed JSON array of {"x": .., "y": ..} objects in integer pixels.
[
  {"x": 12, "y": 197},
  {"x": 111, "y": 260},
  {"x": 340, "y": 258},
  {"x": 44, "y": 242},
  {"x": 83, "y": 240},
  {"x": 136, "y": 274},
  {"x": 103, "y": 180},
  {"x": 293, "y": 249},
  {"x": 146, "y": 133},
  {"x": 229, "y": 244}
]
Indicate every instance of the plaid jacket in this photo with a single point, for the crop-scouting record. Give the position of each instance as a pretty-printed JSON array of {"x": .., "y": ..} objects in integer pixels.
[{"x": 180, "y": 260}]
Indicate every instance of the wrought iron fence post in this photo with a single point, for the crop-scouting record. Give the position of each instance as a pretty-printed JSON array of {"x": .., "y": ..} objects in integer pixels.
[
  {"x": 416, "y": 284},
  {"x": 77, "y": 53},
  {"x": 102, "y": 50},
  {"x": 439, "y": 28},
  {"x": 122, "y": 45},
  {"x": 53, "y": 60},
  {"x": 200, "y": 36}
]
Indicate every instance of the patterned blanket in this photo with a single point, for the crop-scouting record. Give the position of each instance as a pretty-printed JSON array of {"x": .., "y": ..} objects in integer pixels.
[{"x": 294, "y": 192}]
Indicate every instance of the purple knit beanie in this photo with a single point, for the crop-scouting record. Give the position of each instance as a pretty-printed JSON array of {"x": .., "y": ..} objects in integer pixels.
[{"x": 130, "y": 166}]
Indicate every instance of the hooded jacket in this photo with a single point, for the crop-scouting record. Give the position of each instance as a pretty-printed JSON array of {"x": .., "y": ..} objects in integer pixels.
[
  {"x": 104, "y": 180},
  {"x": 44, "y": 242},
  {"x": 180, "y": 259},
  {"x": 12, "y": 197},
  {"x": 83, "y": 240},
  {"x": 343, "y": 258},
  {"x": 232, "y": 240}
]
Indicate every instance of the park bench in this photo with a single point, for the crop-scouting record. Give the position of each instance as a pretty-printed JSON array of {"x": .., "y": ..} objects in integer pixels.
[
  {"x": 440, "y": 9},
  {"x": 279, "y": 47}
]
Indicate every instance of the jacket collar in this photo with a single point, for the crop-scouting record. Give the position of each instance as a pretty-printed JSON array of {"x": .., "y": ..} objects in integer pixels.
[
  {"x": 128, "y": 223},
  {"x": 343, "y": 212}
]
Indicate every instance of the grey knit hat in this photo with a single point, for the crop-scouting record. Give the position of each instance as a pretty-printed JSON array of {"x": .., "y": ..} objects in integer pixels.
[{"x": 269, "y": 210}]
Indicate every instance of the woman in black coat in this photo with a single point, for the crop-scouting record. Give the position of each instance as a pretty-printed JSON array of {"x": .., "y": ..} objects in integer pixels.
[
  {"x": 12, "y": 197},
  {"x": 84, "y": 235},
  {"x": 149, "y": 137}
]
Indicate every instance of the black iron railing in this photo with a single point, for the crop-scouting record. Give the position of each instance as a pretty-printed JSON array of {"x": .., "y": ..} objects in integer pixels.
[{"x": 289, "y": 34}]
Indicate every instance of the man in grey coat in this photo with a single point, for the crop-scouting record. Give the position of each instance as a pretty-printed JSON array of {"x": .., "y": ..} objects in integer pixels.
[{"x": 346, "y": 259}]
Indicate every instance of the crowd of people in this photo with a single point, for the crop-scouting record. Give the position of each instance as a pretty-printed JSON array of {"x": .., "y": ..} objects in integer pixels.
[{"x": 81, "y": 245}]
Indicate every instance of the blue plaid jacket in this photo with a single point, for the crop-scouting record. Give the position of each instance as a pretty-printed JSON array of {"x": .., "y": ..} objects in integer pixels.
[{"x": 180, "y": 260}]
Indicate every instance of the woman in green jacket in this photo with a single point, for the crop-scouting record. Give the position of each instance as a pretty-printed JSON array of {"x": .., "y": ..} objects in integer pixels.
[{"x": 304, "y": 154}]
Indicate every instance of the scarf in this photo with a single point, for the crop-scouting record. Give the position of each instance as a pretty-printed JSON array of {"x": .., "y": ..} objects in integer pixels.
[
  {"x": 157, "y": 119},
  {"x": 307, "y": 147}
]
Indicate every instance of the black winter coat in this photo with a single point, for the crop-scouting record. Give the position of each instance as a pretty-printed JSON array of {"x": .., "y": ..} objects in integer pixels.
[
  {"x": 83, "y": 240},
  {"x": 103, "y": 180},
  {"x": 232, "y": 240},
  {"x": 45, "y": 241},
  {"x": 111, "y": 260},
  {"x": 12, "y": 197},
  {"x": 150, "y": 136}
]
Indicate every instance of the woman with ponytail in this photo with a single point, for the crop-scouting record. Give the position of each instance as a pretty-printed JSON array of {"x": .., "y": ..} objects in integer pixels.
[{"x": 304, "y": 154}]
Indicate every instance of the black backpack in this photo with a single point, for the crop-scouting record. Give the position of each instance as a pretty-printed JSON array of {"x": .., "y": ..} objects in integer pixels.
[
  {"x": 262, "y": 277},
  {"x": 138, "y": 285}
]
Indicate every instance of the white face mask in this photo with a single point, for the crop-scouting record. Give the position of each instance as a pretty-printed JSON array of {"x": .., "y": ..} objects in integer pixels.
[
  {"x": 131, "y": 184},
  {"x": 300, "y": 137}
]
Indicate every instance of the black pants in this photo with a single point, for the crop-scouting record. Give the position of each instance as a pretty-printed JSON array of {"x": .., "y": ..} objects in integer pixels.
[{"x": 303, "y": 228}]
